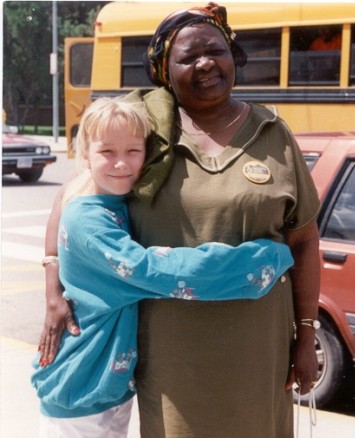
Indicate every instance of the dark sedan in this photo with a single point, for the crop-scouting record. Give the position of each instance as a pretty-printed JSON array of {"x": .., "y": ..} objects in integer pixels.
[{"x": 24, "y": 156}]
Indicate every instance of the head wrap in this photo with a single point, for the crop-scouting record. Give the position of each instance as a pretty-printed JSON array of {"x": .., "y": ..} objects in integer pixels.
[{"x": 155, "y": 60}]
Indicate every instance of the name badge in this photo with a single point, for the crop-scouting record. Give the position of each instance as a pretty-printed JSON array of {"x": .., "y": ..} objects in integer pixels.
[{"x": 256, "y": 172}]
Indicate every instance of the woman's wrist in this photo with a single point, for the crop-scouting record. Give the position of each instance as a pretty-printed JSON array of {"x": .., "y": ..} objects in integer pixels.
[
  {"x": 308, "y": 322},
  {"x": 304, "y": 334}
]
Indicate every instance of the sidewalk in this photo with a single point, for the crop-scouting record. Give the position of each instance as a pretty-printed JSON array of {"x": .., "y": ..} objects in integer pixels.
[{"x": 19, "y": 405}]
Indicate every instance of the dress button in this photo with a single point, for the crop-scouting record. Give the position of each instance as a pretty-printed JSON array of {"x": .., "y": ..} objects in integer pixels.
[{"x": 282, "y": 278}]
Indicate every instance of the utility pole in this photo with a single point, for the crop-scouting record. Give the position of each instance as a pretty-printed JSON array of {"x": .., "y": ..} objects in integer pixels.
[{"x": 54, "y": 72}]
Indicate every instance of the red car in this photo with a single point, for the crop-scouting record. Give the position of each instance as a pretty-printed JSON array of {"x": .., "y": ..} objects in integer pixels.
[
  {"x": 331, "y": 160},
  {"x": 24, "y": 156}
]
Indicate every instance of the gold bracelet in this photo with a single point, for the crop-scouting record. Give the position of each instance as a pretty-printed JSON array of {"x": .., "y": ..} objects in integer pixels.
[{"x": 49, "y": 259}]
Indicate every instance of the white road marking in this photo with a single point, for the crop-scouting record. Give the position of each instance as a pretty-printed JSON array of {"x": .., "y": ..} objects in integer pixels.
[
  {"x": 26, "y": 213},
  {"x": 33, "y": 231},
  {"x": 18, "y": 251}
]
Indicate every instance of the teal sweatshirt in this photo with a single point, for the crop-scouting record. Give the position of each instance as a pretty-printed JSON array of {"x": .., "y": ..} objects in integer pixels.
[{"x": 105, "y": 273}]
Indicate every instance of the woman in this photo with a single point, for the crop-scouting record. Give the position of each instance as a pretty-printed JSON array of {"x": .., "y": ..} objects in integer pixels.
[
  {"x": 228, "y": 171},
  {"x": 105, "y": 273}
]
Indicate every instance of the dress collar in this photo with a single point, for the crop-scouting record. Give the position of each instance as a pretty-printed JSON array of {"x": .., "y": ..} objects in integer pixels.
[{"x": 161, "y": 107}]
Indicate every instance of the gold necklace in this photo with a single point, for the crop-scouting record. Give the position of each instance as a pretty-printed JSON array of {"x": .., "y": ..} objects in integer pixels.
[{"x": 217, "y": 130}]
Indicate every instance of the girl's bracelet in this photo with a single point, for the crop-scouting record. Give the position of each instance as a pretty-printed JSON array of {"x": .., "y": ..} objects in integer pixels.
[{"x": 49, "y": 259}]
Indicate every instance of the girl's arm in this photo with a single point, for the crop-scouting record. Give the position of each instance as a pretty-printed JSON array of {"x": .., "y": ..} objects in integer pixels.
[
  {"x": 97, "y": 245},
  {"x": 304, "y": 244},
  {"x": 58, "y": 312}
]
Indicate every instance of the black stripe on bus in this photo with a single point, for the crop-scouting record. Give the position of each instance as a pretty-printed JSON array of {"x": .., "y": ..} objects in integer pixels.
[{"x": 272, "y": 96}]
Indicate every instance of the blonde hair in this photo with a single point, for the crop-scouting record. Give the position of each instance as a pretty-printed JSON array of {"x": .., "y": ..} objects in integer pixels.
[{"x": 102, "y": 115}]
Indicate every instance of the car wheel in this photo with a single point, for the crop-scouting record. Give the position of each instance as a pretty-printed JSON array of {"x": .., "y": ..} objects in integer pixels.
[
  {"x": 32, "y": 175},
  {"x": 331, "y": 365}
]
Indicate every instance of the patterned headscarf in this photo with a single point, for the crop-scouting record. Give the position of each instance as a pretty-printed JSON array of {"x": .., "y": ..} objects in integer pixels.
[{"x": 156, "y": 58}]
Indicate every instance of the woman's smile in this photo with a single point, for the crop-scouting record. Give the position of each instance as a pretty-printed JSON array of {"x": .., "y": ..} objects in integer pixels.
[{"x": 208, "y": 80}]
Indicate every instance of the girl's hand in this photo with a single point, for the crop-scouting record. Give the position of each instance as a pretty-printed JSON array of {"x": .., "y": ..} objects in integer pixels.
[{"x": 59, "y": 317}]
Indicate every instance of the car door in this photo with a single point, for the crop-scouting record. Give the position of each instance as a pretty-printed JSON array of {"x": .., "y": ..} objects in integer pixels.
[{"x": 337, "y": 252}]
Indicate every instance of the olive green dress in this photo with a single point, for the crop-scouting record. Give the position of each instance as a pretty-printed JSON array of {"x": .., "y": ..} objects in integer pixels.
[{"x": 219, "y": 369}]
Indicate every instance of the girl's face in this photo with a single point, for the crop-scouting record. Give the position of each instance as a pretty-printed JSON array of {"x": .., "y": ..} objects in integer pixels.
[
  {"x": 201, "y": 67},
  {"x": 116, "y": 161}
]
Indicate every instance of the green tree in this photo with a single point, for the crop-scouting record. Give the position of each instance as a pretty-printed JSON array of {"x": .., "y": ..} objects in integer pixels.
[{"x": 27, "y": 43}]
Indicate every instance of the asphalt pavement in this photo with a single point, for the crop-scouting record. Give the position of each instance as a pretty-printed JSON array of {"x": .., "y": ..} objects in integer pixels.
[{"x": 19, "y": 407}]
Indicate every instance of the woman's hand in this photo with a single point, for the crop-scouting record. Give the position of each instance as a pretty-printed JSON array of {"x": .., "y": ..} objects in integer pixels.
[
  {"x": 305, "y": 276},
  {"x": 58, "y": 317},
  {"x": 304, "y": 361}
]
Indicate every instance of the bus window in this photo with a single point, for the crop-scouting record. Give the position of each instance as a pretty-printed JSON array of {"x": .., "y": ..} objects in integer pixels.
[
  {"x": 352, "y": 57},
  {"x": 133, "y": 73},
  {"x": 81, "y": 64},
  {"x": 263, "y": 48},
  {"x": 315, "y": 55},
  {"x": 306, "y": 88}
]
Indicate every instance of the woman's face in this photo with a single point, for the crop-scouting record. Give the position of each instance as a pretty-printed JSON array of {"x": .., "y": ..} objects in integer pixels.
[{"x": 201, "y": 67}]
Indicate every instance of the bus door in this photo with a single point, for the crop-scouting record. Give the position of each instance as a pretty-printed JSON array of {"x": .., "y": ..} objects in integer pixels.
[{"x": 77, "y": 84}]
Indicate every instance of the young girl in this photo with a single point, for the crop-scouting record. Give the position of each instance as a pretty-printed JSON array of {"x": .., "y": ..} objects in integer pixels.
[{"x": 88, "y": 389}]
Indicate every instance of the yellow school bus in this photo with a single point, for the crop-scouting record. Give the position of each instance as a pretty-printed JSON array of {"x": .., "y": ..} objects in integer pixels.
[{"x": 312, "y": 87}]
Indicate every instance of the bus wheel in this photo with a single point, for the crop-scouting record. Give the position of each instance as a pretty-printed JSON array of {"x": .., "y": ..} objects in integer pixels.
[{"x": 331, "y": 365}]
